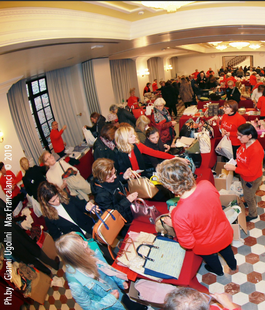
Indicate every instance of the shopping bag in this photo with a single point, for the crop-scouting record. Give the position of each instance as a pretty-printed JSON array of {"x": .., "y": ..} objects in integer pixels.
[
  {"x": 224, "y": 147},
  {"x": 162, "y": 228},
  {"x": 143, "y": 186},
  {"x": 108, "y": 227},
  {"x": 143, "y": 212},
  {"x": 205, "y": 142},
  {"x": 90, "y": 139}
]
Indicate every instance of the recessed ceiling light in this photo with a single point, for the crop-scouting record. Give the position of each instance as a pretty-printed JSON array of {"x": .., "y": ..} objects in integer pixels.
[
  {"x": 141, "y": 12},
  {"x": 96, "y": 46}
]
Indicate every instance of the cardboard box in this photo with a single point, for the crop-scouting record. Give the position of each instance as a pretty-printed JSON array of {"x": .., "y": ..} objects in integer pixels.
[
  {"x": 40, "y": 287},
  {"x": 222, "y": 183},
  {"x": 241, "y": 220},
  {"x": 48, "y": 246}
]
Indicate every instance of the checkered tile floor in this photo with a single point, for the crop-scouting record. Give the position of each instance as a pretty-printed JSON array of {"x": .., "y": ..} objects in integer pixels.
[{"x": 246, "y": 284}]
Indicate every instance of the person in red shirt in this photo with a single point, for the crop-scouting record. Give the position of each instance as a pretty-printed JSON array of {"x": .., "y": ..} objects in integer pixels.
[
  {"x": 253, "y": 80},
  {"x": 154, "y": 86},
  {"x": 231, "y": 120},
  {"x": 8, "y": 182},
  {"x": 210, "y": 71},
  {"x": 195, "y": 74},
  {"x": 249, "y": 158},
  {"x": 132, "y": 101},
  {"x": 261, "y": 105},
  {"x": 147, "y": 88},
  {"x": 198, "y": 219},
  {"x": 193, "y": 299},
  {"x": 57, "y": 140},
  {"x": 258, "y": 84}
]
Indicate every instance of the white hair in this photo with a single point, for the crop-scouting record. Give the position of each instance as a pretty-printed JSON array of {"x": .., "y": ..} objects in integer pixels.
[{"x": 159, "y": 101}]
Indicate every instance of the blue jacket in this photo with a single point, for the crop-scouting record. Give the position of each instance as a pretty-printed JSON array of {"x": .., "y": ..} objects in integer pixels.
[{"x": 90, "y": 293}]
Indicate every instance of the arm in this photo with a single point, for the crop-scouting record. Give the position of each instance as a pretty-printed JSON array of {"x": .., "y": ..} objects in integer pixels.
[
  {"x": 148, "y": 151},
  {"x": 252, "y": 167},
  {"x": 84, "y": 299}
]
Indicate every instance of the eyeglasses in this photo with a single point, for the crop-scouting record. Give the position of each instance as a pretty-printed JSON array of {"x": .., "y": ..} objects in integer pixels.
[
  {"x": 239, "y": 135},
  {"x": 111, "y": 176}
]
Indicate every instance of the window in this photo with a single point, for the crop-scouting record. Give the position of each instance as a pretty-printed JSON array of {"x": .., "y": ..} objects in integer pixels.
[{"x": 41, "y": 110}]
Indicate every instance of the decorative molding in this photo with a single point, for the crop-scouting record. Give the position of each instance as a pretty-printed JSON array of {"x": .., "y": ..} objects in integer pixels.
[{"x": 4, "y": 87}]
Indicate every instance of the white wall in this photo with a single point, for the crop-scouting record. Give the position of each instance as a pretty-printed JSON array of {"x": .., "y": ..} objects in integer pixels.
[
  {"x": 102, "y": 78},
  {"x": 188, "y": 64}
]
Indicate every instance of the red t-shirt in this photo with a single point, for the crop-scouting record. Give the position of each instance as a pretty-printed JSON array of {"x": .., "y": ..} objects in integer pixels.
[
  {"x": 200, "y": 223},
  {"x": 250, "y": 161},
  {"x": 261, "y": 105},
  {"x": 57, "y": 140},
  {"x": 230, "y": 123},
  {"x": 148, "y": 151},
  {"x": 253, "y": 80},
  {"x": 132, "y": 102},
  {"x": 257, "y": 85},
  {"x": 195, "y": 75},
  {"x": 9, "y": 178},
  {"x": 154, "y": 86}
]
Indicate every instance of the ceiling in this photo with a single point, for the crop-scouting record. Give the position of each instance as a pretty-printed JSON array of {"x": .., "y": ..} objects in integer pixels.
[{"x": 36, "y": 57}]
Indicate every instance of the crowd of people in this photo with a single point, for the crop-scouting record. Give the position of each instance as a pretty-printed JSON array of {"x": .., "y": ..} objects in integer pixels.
[{"x": 124, "y": 144}]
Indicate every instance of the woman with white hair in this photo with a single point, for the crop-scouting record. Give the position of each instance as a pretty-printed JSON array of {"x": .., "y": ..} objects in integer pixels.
[{"x": 161, "y": 119}]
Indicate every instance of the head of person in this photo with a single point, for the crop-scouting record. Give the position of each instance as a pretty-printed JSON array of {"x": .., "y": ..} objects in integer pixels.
[
  {"x": 159, "y": 104},
  {"x": 75, "y": 252},
  {"x": 148, "y": 84},
  {"x": 125, "y": 138},
  {"x": 246, "y": 132},
  {"x": 186, "y": 298},
  {"x": 2, "y": 168},
  {"x": 49, "y": 197},
  {"x": 183, "y": 80},
  {"x": 202, "y": 74},
  {"x": 132, "y": 92},
  {"x": 261, "y": 89},
  {"x": 47, "y": 159},
  {"x": 162, "y": 83},
  {"x": 230, "y": 84},
  {"x": 103, "y": 170},
  {"x": 230, "y": 107},
  {"x": 152, "y": 134},
  {"x": 24, "y": 163},
  {"x": 113, "y": 109},
  {"x": 142, "y": 123},
  {"x": 94, "y": 117},
  {"x": 175, "y": 175},
  {"x": 238, "y": 84},
  {"x": 108, "y": 131},
  {"x": 168, "y": 83},
  {"x": 155, "y": 80},
  {"x": 54, "y": 125}
]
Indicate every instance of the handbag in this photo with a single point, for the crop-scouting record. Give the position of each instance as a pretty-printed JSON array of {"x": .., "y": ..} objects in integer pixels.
[
  {"x": 143, "y": 186},
  {"x": 108, "y": 227},
  {"x": 90, "y": 139},
  {"x": 224, "y": 147},
  {"x": 143, "y": 212},
  {"x": 164, "y": 259},
  {"x": 162, "y": 228},
  {"x": 194, "y": 148},
  {"x": 205, "y": 142}
]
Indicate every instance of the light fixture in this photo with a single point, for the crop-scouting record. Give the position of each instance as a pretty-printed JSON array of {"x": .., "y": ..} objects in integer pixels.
[
  {"x": 239, "y": 45},
  {"x": 169, "y": 6},
  {"x": 1, "y": 137},
  {"x": 221, "y": 47},
  {"x": 254, "y": 46},
  {"x": 168, "y": 67},
  {"x": 215, "y": 43},
  {"x": 143, "y": 72},
  {"x": 96, "y": 46}
]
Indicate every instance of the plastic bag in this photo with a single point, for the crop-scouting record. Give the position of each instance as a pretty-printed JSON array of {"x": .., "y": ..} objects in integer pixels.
[
  {"x": 237, "y": 188},
  {"x": 224, "y": 148},
  {"x": 205, "y": 142}
]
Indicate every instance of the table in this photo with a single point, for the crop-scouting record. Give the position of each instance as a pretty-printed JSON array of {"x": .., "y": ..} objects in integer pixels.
[
  {"x": 191, "y": 262},
  {"x": 246, "y": 103}
]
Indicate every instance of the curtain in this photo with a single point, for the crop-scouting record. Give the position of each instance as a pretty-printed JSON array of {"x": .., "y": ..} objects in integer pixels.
[
  {"x": 90, "y": 88},
  {"x": 23, "y": 121},
  {"x": 174, "y": 64},
  {"x": 152, "y": 64},
  {"x": 124, "y": 77},
  {"x": 62, "y": 87}
]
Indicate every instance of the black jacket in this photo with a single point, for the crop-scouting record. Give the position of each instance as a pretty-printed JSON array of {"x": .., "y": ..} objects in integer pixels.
[
  {"x": 76, "y": 209},
  {"x": 112, "y": 196},
  {"x": 150, "y": 159},
  {"x": 96, "y": 128},
  {"x": 170, "y": 95},
  {"x": 125, "y": 116},
  {"x": 32, "y": 179},
  {"x": 102, "y": 151},
  {"x": 233, "y": 94}
]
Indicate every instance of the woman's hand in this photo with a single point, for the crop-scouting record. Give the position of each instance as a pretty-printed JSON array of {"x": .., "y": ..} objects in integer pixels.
[
  {"x": 186, "y": 161},
  {"x": 173, "y": 123},
  {"x": 167, "y": 147},
  {"x": 131, "y": 197},
  {"x": 90, "y": 205},
  {"x": 230, "y": 167},
  {"x": 128, "y": 174},
  {"x": 125, "y": 285},
  {"x": 63, "y": 186},
  {"x": 115, "y": 293}
]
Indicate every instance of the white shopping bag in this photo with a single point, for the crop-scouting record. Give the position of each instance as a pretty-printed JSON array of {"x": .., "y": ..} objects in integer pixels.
[{"x": 224, "y": 148}]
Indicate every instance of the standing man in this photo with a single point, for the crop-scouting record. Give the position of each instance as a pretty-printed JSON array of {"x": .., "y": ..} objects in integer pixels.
[
  {"x": 154, "y": 85},
  {"x": 57, "y": 140}
]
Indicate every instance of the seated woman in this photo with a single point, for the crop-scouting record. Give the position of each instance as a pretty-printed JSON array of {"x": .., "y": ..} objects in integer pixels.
[
  {"x": 108, "y": 190},
  {"x": 93, "y": 283},
  {"x": 33, "y": 177},
  {"x": 132, "y": 101},
  {"x": 141, "y": 126},
  {"x": 147, "y": 88},
  {"x": 162, "y": 121},
  {"x": 63, "y": 214},
  {"x": 154, "y": 142},
  {"x": 131, "y": 150},
  {"x": 198, "y": 219}
]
